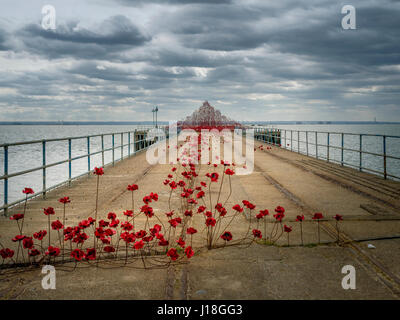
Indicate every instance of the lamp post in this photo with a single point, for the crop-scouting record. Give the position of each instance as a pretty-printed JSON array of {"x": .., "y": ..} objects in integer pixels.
[{"x": 156, "y": 110}]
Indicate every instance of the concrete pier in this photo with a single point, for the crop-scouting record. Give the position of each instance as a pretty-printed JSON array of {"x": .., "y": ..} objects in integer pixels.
[{"x": 371, "y": 215}]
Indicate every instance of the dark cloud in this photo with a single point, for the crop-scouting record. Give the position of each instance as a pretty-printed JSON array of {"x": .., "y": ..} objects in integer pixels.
[
  {"x": 112, "y": 37},
  {"x": 273, "y": 58},
  {"x": 178, "y": 2}
]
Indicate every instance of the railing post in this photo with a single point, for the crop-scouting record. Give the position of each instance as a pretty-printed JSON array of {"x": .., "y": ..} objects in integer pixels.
[
  {"x": 69, "y": 161},
  {"x": 44, "y": 168},
  {"x": 342, "y": 154},
  {"x": 316, "y": 144},
  {"x": 102, "y": 150},
  {"x": 113, "y": 151},
  {"x": 88, "y": 151},
  {"x": 5, "y": 180},
  {"x": 360, "y": 152},
  {"x": 307, "y": 142},
  {"x": 327, "y": 147},
  {"x": 298, "y": 141},
  {"x": 384, "y": 158},
  {"x": 122, "y": 146},
  {"x": 134, "y": 141},
  {"x": 291, "y": 140},
  {"x": 129, "y": 144}
]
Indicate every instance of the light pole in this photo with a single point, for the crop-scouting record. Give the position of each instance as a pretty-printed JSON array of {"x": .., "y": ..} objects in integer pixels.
[{"x": 156, "y": 110}]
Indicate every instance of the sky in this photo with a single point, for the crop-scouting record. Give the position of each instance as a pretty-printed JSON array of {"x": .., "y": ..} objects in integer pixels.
[{"x": 252, "y": 59}]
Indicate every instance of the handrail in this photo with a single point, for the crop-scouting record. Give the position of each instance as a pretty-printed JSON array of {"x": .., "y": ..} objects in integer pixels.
[
  {"x": 138, "y": 145},
  {"x": 269, "y": 136}
]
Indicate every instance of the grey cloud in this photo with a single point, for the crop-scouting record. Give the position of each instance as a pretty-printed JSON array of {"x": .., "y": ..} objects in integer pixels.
[{"x": 115, "y": 35}]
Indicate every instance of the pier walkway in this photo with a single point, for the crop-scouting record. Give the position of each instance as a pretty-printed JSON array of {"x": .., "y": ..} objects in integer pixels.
[{"x": 302, "y": 185}]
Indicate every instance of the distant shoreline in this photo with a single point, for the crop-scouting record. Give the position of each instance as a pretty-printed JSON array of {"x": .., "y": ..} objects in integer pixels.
[{"x": 127, "y": 123}]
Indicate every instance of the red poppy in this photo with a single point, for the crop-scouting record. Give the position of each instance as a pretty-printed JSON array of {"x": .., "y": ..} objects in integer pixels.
[
  {"x": 257, "y": 233},
  {"x": 114, "y": 223},
  {"x": 126, "y": 226},
  {"x": 128, "y": 213},
  {"x": 279, "y": 209},
  {"x": 148, "y": 238},
  {"x": 201, "y": 209},
  {"x": 147, "y": 210},
  {"x": 147, "y": 199},
  {"x": 105, "y": 240},
  {"x": 90, "y": 254},
  {"x": 210, "y": 222},
  {"x": 227, "y": 236},
  {"x": 111, "y": 216},
  {"x": 141, "y": 234},
  {"x": 188, "y": 213},
  {"x": 259, "y": 216},
  {"x": 33, "y": 252},
  {"x": 17, "y": 216},
  {"x": 250, "y": 206},
  {"x": 64, "y": 200},
  {"x": 317, "y": 216},
  {"x": 237, "y": 208},
  {"x": 163, "y": 243},
  {"x": 27, "y": 243},
  {"x": 191, "y": 230},
  {"x": 132, "y": 187},
  {"x": 180, "y": 242},
  {"x": 57, "y": 225},
  {"x": 214, "y": 177},
  {"x": 189, "y": 252},
  {"x": 28, "y": 191},
  {"x": 173, "y": 254},
  {"x": 279, "y": 216},
  {"x": 154, "y": 196},
  {"x": 49, "y": 211},
  {"x": 77, "y": 254},
  {"x": 338, "y": 217},
  {"x": 229, "y": 172},
  {"x": 103, "y": 223},
  {"x": 156, "y": 229},
  {"x": 40, "y": 235},
  {"x": 287, "y": 228},
  {"x": 173, "y": 185},
  {"x": 18, "y": 238},
  {"x": 222, "y": 212},
  {"x": 6, "y": 253},
  {"x": 98, "y": 171},
  {"x": 203, "y": 184},
  {"x": 300, "y": 218},
  {"x": 208, "y": 214},
  {"x": 81, "y": 237},
  {"x": 173, "y": 223},
  {"x": 83, "y": 224},
  {"x": 166, "y": 181},
  {"x": 53, "y": 251},
  {"x": 173, "y": 169},
  {"x": 110, "y": 232},
  {"x": 128, "y": 237},
  {"x": 169, "y": 214},
  {"x": 139, "y": 245},
  {"x": 200, "y": 194},
  {"x": 109, "y": 249}
]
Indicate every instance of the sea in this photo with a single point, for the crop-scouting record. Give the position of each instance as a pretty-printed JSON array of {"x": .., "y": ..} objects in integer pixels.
[{"x": 25, "y": 157}]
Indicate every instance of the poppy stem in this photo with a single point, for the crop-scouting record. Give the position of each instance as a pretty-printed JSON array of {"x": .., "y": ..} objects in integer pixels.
[
  {"x": 59, "y": 235},
  {"x": 95, "y": 215},
  {"x": 301, "y": 233}
]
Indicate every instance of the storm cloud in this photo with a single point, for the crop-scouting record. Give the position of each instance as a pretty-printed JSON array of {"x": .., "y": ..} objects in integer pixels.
[{"x": 254, "y": 60}]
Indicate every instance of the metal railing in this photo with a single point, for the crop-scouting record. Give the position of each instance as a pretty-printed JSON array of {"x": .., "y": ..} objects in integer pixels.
[
  {"x": 352, "y": 155},
  {"x": 134, "y": 146}
]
